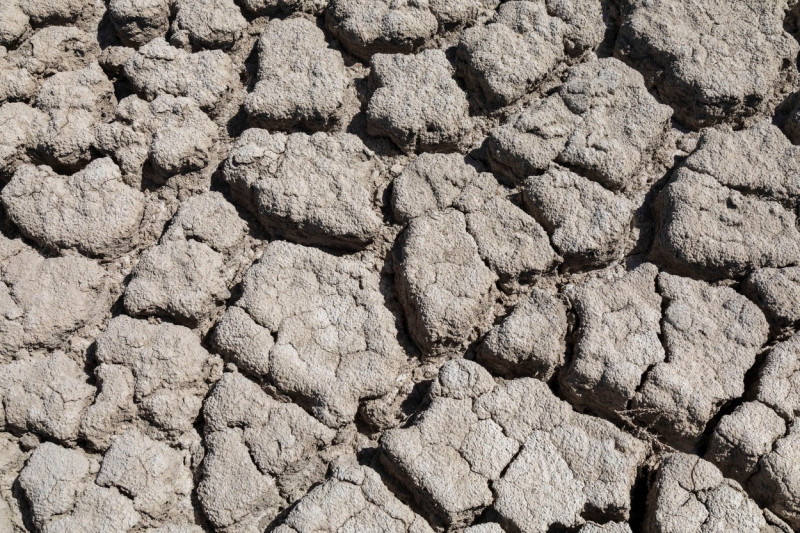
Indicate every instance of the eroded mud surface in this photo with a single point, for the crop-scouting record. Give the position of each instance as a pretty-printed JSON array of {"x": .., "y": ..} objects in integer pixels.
[{"x": 413, "y": 266}]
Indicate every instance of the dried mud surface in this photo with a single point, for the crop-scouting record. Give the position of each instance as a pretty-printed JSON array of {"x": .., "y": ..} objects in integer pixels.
[{"x": 413, "y": 266}]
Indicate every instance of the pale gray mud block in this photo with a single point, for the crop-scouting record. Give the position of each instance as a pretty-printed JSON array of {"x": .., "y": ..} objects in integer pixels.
[
  {"x": 444, "y": 286},
  {"x": 690, "y": 494},
  {"x": 478, "y": 439},
  {"x": 335, "y": 342},
  {"x": 93, "y": 211},
  {"x": 46, "y": 395},
  {"x": 354, "y": 498},
  {"x": 182, "y": 279},
  {"x": 712, "y": 61},
  {"x": 275, "y": 450},
  {"x": 46, "y": 300},
  {"x": 171, "y": 374},
  {"x": 602, "y": 123},
  {"x": 742, "y": 437},
  {"x": 725, "y": 211},
  {"x": 269, "y": 7},
  {"x": 711, "y": 337},
  {"x": 380, "y": 26},
  {"x": 192, "y": 268},
  {"x": 531, "y": 341},
  {"x": 74, "y": 103},
  {"x": 618, "y": 338},
  {"x": 316, "y": 189},
  {"x": 139, "y": 21},
  {"x": 511, "y": 54},
  {"x": 48, "y": 51},
  {"x": 14, "y": 23},
  {"x": 22, "y": 126},
  {"x": 43, "y": 12},
  {"x": 158, "y": 68},
  {"x": 512, "y": 243},
  {"x": 300, "y": 80},
  {"x": 777, "y": 292},
  {"x": 416, "y": 102},
  {"x": 758, "y": 444},
  {"x": 715, "y": 231},
  {"x": 208, "y": 23},
  {"x": 430, "y": 182},
  {"x": 152, "y": 474},
  {"x": 595, "y": 228},
  {"x": 170, "y": 135},
  {"x": 58, "y": 485}
]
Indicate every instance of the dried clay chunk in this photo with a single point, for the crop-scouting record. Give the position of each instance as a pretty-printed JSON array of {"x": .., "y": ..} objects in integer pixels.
[
  {"x": 93, "y": 210},
  {"x": 720, "y": 214},
  {"x": 316, "y": 189},
  {"x": 618, "y": 338},
  {"x": 170, "y": 134},
  {"x": 416, "y": 102},
  {"x": 171, "y": 373},
  {"x": 335, "y": 341},
  {"x": 353, "y": 499},
  {"x": 587, "y": 224},
  {"x": 711, "y": 338},
  {"x": 531, "y": 341},
  {"x": 300, "y": 80},
  {"x": 381, "y": 26},
  {"x": 511, "y": 54},
  {"x": 444, "y": 286},
  {"x": 158, "y": 68},
  {"x": 261, "y": 454},
  {"x": 47, "y": 396},
  {"x": 712, "y": 61},
  {"x": 58, "y": 485},
  {"x": 208, "y": 23},
  {"x": 690, "y": 494},
  {"x": 601, "y": 122},
  {"x": 45, "y": 300},
  {"x": 191, "y": 268},
  {"x": 477, "y": 438},
  {"x": 511, "y": 242},
  {"x": 139, "y": 21}
]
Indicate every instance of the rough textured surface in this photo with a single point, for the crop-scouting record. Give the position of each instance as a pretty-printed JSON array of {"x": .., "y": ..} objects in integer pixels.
[
  {"x": 511, "y": 243},
  {"x": 324, "y": 313},
  {"x": 711, "y": 337},
  {"x": 355, "y": 266},
  {"x": 192, "y": 268},
  {"x": 317, "y": 188},
  {"x": 691, "y": 494},
  {"x": 170, "y": 135},
  {"x": 92, "y": 211},
  {"x": 300, "y": 79},
  {"x": 691, "y": 66},
  {"x": 164, "y": 369},
  {"x": 531, "y": 339},
  {"x": 601, "y": 122},
  {"x": 385, "y": 27},
  {"x": 444, "y": 286},
  {"x": 511, "y": 54},
  {"x": 731, "y": 186},
  {"x": 618, "y": 339},
  {"x": 158, "y": 68},
  {"x": 477, "y": 437},
  {"x": 353, "y": 499},
  {"x": 416, "y": 102},
  {"x": 596, "y": 230},
  {"x": 45, "y": 300}
]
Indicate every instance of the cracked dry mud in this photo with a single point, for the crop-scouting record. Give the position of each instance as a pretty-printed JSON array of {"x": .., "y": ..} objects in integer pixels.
[{"x": 413, "y": 266}]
